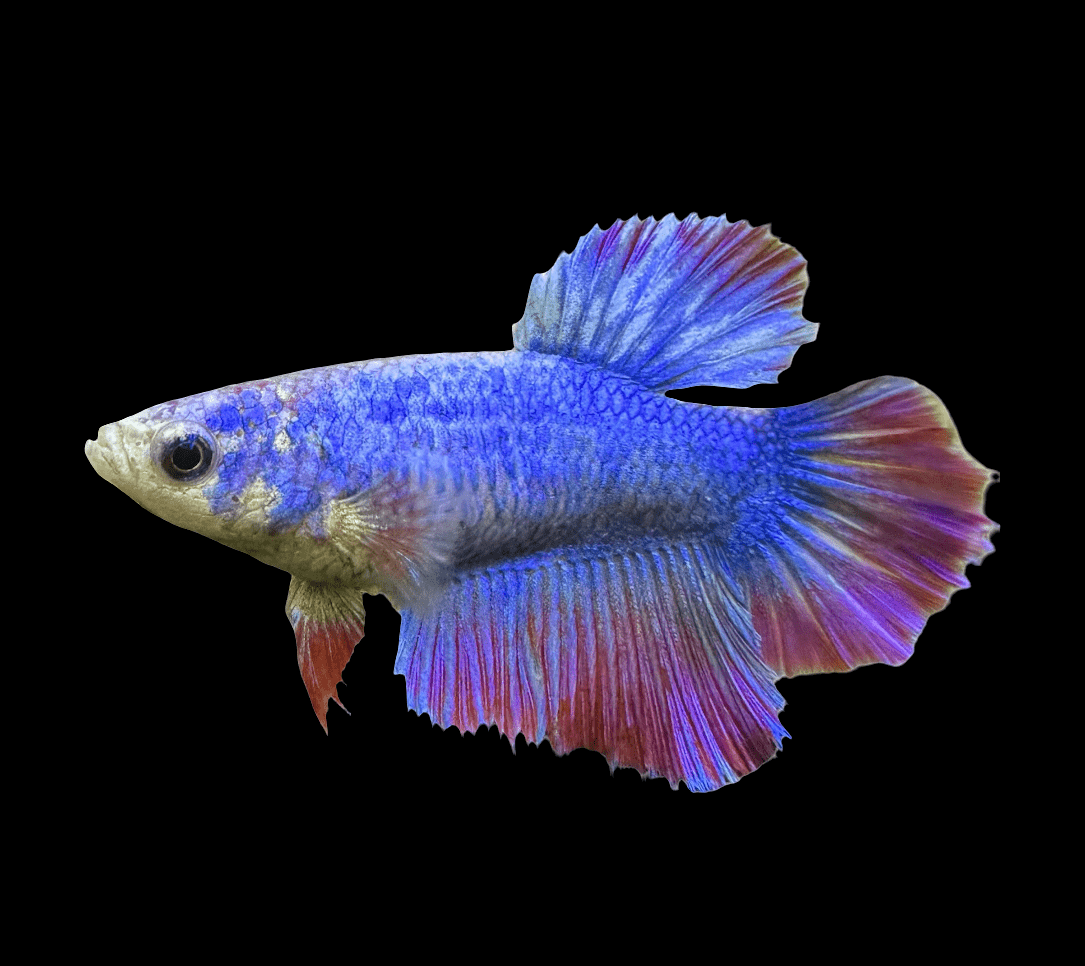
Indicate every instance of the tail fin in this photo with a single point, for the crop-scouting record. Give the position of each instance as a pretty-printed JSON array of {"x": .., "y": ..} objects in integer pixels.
[{"x": 883, "y": 511}]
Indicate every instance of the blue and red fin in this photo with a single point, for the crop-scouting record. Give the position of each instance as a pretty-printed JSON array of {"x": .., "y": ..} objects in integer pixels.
[
  {"x": 647, "y": 656},
  {"x": 880, "y": 511},
  {"x": 328, "y": 622},
  {"x": 394, "y": 536},
  {"x": 671, "y": 304}
]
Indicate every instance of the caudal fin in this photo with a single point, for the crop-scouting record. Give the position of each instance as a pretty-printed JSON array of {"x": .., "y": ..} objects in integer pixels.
[{"x": 882, "y": 512}]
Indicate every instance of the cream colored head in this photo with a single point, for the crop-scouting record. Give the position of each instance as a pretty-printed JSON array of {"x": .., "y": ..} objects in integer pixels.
[
  {"x": 165, "y": 466},
  {"x": 169, "y": 461},
  {"x": 256, "y": 467}
]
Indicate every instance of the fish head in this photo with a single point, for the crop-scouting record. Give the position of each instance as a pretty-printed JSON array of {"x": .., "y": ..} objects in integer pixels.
[
  {"x": 219, "y": 464},
  {"x": 254, "y": 467},
  {"x": 164, "y": 464}
]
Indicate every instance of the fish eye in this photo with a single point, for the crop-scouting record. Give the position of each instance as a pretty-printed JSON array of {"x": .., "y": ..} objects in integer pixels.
[
  {"x": 185, "y": 451},
  {"x": 187, "y": 457}
]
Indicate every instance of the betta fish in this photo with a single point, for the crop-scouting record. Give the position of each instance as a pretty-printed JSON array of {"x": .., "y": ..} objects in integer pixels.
[{"x": 577, "y": 556}]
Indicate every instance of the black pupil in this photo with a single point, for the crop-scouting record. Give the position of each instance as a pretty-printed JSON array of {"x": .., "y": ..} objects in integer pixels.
[{"x": 187, "y": 458}]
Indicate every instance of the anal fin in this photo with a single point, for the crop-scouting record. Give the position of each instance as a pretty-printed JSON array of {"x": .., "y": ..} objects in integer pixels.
[
  {"x": 328, "y": 623},
  {"x": 646, "y": 655}
]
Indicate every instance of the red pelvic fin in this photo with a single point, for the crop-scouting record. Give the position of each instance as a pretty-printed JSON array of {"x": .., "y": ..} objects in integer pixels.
[{"x": 328, "y": 623}]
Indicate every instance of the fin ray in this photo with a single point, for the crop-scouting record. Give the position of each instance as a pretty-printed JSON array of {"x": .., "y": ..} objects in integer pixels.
[
  {"x": 328, "y": 623},
  {"x": 881, "y": 513},
  {"x": 646, "y": 655},
  {"x": 673, "y": 304}
]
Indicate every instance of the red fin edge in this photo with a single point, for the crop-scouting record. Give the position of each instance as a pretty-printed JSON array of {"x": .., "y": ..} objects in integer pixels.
[
  {"x": 328, "y": 623},
  {"x": 886, "y": 514}
]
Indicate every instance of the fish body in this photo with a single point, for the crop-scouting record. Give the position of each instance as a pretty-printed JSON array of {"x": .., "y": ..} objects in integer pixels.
[
  {"x": 576, "y": 555},
  {"x": 536, "y": 451}
]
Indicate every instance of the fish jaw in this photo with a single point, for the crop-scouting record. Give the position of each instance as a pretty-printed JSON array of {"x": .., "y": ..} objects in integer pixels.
[{"x": 116, "y": 453}]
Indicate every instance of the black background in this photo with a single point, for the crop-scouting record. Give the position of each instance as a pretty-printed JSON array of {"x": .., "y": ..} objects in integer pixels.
[{"x": 226, "y": 248}]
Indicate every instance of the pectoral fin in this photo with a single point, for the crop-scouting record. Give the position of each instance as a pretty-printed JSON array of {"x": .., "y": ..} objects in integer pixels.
[{"x": 328, "y": 622}]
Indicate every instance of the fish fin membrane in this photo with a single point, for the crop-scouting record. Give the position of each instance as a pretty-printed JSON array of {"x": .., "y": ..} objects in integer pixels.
[
  {"x": 328, "y": 623},
  {"x": 401, "y": 530},
  {"x": 671, "y": 304},
  {"x": 882, "y": 511},
  {"x": 647, "y": 656}
]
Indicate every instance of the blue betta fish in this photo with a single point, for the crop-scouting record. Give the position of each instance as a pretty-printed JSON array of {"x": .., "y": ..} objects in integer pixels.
[{"x": 577, "y": 556}]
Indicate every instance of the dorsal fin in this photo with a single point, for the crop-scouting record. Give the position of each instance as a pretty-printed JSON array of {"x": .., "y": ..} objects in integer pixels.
[{"x": 671, "y": 304}]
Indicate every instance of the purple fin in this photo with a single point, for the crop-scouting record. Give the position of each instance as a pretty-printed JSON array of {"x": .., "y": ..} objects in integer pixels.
[
  {"x": 882, "y": 512},
  {"x": 646, "y": 656},
  {"x": 701, "y": 302}
]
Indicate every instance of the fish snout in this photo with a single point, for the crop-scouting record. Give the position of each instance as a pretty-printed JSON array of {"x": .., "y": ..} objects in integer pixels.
[{"x": 108, "y": 454}]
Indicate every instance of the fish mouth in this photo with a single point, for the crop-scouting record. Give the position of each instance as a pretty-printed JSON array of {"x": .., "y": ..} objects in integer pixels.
[{"x": 108, "y": 454}]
